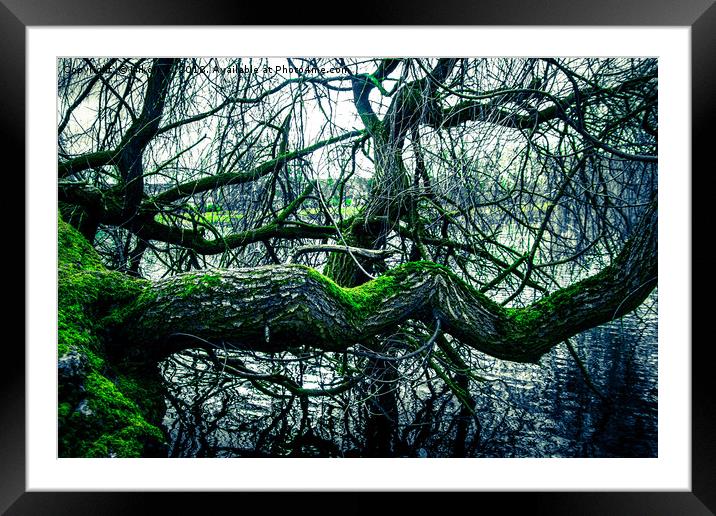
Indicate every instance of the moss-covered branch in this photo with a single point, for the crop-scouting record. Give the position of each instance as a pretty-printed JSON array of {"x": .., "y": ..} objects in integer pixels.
[
  {"x": 279, "y": 307},
  {"x": 113, "y": 328}
]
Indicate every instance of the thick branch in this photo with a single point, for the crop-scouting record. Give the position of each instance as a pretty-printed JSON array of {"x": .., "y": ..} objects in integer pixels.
[
  {"x": 281, "y": 307},
  {"x": 492, "y": 110},
  {"x": 362, "y": 85},
  {"x": 153, "y": 230},
  {"x": 86, "y": 161},
  {"x": 140, "y": 134}
]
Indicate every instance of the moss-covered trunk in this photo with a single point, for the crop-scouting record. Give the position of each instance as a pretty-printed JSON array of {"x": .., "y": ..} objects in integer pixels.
[
  {"x": 281, "y": 307},
  {"x": 107, "y": 407},
  {"x": 113, "y": 329}
]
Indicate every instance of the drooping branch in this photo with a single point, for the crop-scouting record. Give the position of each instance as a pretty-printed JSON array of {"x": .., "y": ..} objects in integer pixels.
[
  {"x": 153, "y": 230},
  {"x": 363, "y": 84},
  {"x": 86, "y": 161},
  {"x": 490, "y": 107},
  {"x": 107, "y": 206},
  {"x": 140, "y": 133},
  {"x": 148, "y": 228},
  {"x": 83, "y": 95},
  {"x": 276, "y": 308},
  {"x": 234, "y": 178}
]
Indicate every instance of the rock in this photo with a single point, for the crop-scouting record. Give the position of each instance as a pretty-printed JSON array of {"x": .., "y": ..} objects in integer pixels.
[
  {"x": 72, "y": 365},
  {"x": 84, "y": 408}
]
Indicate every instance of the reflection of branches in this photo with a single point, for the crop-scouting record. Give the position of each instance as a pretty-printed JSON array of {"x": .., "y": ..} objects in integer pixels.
[{"x": 583, "y": 370}]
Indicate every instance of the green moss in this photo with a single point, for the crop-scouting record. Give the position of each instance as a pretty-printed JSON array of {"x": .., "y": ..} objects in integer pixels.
[
  {"x": 125, "y": 297},
  {"x": 529, "y": 317},
  {"x": 523, "y": 315},
  {"x": 125, "y": 443},
  {"x": 99, "y": 417},
  {"x": 109, "y": 424},
  {"x": 194, "y": 283},
  {"x": 563, "y": 296},
  {"x": 73, "y": 250},
  {"x": 567, "y": 296},
  {"x": 78, "y": 289},
  {"x": 366, "y": 298},
  {"x": 63, "y": 410},
  {"x": 147, "y": 394},
  {"x": 362, "y": 300},
  {"x": 77, "y": 293},
  {"x": 105, "y": 395}
]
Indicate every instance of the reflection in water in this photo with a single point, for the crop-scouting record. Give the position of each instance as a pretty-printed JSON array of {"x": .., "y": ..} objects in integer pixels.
[
  {"x": 522, "y": 410},
  {"x": 563, "y": 417}
]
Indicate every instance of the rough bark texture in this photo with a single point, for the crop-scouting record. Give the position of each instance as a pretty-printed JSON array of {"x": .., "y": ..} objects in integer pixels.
[
  {"x": 279, "y": 307},
  {"x": 113, "y": 328}
]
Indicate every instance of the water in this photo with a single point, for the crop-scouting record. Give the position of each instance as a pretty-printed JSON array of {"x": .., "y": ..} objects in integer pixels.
[
  {"x": 563, "y": 417},
  {"x": 524, "y": 410}
]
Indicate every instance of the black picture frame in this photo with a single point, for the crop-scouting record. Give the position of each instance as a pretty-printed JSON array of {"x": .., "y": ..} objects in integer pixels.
[{"x": 700, "y": 15}]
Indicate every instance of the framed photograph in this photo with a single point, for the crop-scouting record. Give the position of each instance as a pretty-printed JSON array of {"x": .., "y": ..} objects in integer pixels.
[{"x": 360, "y": 258}]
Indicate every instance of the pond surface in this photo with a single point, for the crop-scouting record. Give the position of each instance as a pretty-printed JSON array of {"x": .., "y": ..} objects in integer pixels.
[
  {"x": 564, "y": 417},
  {"x": 525, "y": 410}
]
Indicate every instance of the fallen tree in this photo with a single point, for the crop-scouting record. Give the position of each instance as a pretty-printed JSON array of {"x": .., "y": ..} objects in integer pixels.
[
  {"x": 408, "y": 210},
  {"x": 274, "y": 308}
]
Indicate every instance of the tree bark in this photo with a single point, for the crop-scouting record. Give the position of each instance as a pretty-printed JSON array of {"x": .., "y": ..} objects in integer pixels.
[
  {"x": 281, "y": 307},
  {"x": 113, "y": 325},
  {"x": 124, "y": 319}
]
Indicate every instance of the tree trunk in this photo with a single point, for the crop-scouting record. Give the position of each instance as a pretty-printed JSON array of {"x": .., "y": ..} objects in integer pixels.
[
  {"x": 275, "y": 308},
  {"x": 283, "y": 307}
]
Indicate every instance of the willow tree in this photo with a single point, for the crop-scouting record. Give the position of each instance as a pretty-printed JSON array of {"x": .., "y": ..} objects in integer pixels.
[{"x": 375, "y": 222}]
